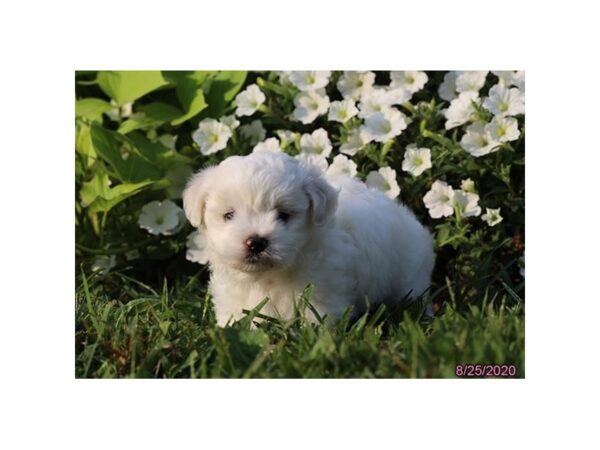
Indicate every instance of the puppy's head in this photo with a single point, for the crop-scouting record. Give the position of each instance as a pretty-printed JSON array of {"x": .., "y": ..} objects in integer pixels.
[{"x": 258, "y": 211}]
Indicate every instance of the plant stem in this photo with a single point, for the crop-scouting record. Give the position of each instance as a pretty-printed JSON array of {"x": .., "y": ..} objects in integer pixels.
[{"x": 112, "y": 251}]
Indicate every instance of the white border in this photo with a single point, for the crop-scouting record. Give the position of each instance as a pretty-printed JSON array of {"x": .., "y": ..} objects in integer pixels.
[{"x": 42, "y": 404}]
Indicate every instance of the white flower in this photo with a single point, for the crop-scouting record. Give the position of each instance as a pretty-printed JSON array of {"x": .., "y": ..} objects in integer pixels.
[
  {"x": 342, "y": 111},
  {"x": 447, "y": 89},
  {"x": 477, "y": 140},
  {"x": 196, "y": 248},
  {"x": 503, "y": 129},
  {"x": 375, "y": 100},
  {"x": 113, "y": 114},
  {"x": 284, "y": 76},
  {"x": 168, "y": 140},
  {"x": 161, "y": 217},
  {"x": 211, "y": 136},
  {"x": 519, "y": 80},
  {"x": 286, "y": 137},
  {"x": 249, "y": 100},
  {"x": 355, "y": 84},
  {"x": 397, "y": 96},
  {"x": 253, "y": 132},
  {"x": 468, "y": 185},
  {"x": 309, "y": 105},
  {"x": 416, "y": 160},
  {"x": 126, "y": 110},
  {"x": 310, "y": 80},
  {"x": 383, "y": 126},
  {"x": 314, "y": 160},
  {"x": 439, "y": 200},
  {"x": 317, "y": 143},
  {"x": 119, "y": 112},
  {"x": 104, "y": 263},
  {"x": 269, "y": 145},
  {"x": 503, "y": 101},
  {"x": 492, "y": 216},
  {"x": 505, "y": 77},
  {"x": 409, "y": 80},
  {"x": 461, "y": 109},
  {"x": 342, "y": 165},
  {"x": 353, "y": 144},
  {"x": 467, "y": 203},
  {"x": 177, "y": 177},
  {"x": 508, "y": 78},
  {"x": 230, "y": 121},
  {"x": 384, "y": 180},
  {"x": 470, "y": 80}
]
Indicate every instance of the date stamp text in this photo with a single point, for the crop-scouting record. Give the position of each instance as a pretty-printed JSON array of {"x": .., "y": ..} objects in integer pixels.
[{"x": 485, "y": 370}]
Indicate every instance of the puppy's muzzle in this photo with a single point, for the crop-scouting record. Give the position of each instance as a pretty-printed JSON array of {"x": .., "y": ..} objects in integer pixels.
[{"x": 256, "y": 244}]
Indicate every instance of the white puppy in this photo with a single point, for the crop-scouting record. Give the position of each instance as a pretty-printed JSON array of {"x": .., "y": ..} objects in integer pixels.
[{"x": 274, "y": 225}]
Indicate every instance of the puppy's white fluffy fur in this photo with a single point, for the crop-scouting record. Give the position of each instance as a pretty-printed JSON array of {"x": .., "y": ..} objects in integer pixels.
[{"x": 352, "y": 243}]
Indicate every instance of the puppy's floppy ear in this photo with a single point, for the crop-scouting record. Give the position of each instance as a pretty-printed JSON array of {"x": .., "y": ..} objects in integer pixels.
[
  {"x": 194, "y": 195},
  {"x": 322, "y": 197}
]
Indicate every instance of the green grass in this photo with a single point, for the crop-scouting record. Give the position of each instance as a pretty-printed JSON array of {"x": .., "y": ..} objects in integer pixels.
[{"x": 126, "y": 329}]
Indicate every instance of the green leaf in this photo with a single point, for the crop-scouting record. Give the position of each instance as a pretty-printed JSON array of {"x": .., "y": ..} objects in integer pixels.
[
  {"x": 222, "y": 90},
  {"x": 133, "y": 124},
  {"x": 123, "y": 156},
  {"x": 83, "y": 143},
  {"x": 200, "y": 76},
  {"x": 154, "y": 114},
  {"x": 160, "y": 112},
  {"x": 91, "y": 108},
  {"x": 98, "y": 196},
  {"x": 91, "y": 190},
  {"x": 123, "y": 191},
  {"x": 155, "y": 153},
  {"x": 442, "y": 234},
  {"x": 128, "y": 85},
  {"x": 191, "y": 97}
]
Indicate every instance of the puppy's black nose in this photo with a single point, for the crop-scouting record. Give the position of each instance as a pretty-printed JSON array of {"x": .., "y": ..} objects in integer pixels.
[{"x": 256, "y": 244}]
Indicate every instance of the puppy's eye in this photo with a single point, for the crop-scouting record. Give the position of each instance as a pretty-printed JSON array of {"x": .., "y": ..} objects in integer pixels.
[
  {"x": 283, "y": 216},
  {"x": 228, "y": 216}
]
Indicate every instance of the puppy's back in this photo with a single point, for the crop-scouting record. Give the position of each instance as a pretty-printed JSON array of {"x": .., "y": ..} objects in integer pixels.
[{"x": 396, "y": 250}]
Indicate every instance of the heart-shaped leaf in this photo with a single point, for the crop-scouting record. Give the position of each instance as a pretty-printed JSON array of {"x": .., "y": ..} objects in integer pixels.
[{"x": 128, "y": 85}]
